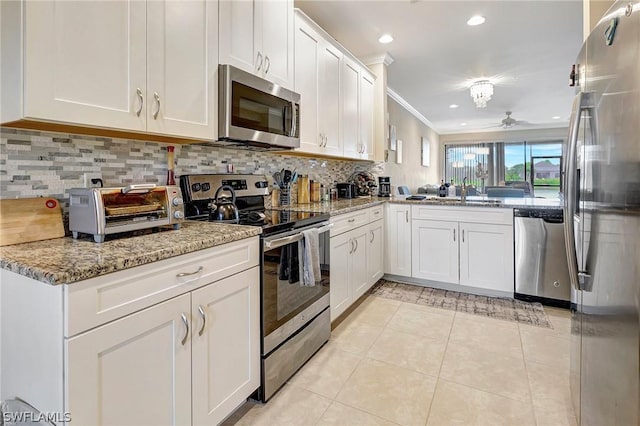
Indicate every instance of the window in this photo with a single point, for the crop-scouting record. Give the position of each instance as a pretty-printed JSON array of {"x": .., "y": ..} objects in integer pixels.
[{"x": 535, "y": 166}]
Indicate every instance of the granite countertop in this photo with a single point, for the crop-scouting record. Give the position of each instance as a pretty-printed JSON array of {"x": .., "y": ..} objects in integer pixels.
[
  {"x": 483, "y": 201},
  {"x": 336, "y": 207},
  {"x": 65, "y": 260}
]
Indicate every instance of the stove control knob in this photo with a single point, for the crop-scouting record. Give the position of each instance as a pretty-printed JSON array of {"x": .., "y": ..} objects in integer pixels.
[
  {"x": 177, "y": 201},
  {"x": 178, "y": 215}
]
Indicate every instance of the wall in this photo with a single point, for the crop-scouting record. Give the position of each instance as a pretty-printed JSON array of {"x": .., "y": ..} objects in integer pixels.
[
  {"x": 410, "y": 130},
  {"x": 34, "y": 164},
  {"x": 592, "y": 12},
  {"x": 558, "y": 133}
]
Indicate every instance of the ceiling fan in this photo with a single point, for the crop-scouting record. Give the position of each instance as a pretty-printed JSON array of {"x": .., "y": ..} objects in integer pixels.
[{"x": 509, "y": 122}]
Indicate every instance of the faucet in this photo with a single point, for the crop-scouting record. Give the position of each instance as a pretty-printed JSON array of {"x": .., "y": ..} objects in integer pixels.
[{"x": 463, "y": 191}]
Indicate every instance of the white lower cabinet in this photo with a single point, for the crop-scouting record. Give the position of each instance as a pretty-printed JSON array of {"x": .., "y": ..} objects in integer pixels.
[
  {"x": 190, "y": 360},
  {"x": 398, "y": 240},
  {"x": 135, "y": 370},
  {"x": 356, "y": 259},
  {"x": 470, "y": 247},
  {"x": 434, "y": 250},
  {"x": 375, "y": 251},
  {"x": 486, "y": 256}
]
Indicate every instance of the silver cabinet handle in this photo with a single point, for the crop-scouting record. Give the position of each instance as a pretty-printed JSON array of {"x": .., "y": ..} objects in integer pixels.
[
  {"x": 463, "y": 235},
  {"x": 186, "y": 274},
  {"x": 454, "y": 234},
  {"x": 267, "y": 64},
  {"x": 356, "y": 249},
  {"x": 259, "y": 58},
  {"x": 141, "y": 100},
  {"x": 351, "y": 246},
  {"x": 186, "y": 324},
  {"x": 321, "y": 139},
  {"x": 373, "y": 236},
  {"x": 351, "y": 220},
  {"x": 204, "y": 320},
  {"x": 406, "y": 216},
  {"x": 157, "y": 99}
]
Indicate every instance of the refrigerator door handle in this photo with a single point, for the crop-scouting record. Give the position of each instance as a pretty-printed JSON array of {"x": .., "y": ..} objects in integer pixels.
[{"x": 582, "y": 102}]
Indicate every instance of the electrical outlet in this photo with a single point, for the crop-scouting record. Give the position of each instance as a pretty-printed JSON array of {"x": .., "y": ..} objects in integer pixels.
[{"x": 88, "y": 177}]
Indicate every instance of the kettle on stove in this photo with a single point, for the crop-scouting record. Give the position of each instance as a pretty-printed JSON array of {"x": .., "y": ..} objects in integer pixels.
[{"x": 223, "y": 209}]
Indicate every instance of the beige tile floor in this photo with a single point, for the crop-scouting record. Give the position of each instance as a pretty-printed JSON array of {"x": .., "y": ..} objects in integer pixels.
[{"x": 395, "y": 363}]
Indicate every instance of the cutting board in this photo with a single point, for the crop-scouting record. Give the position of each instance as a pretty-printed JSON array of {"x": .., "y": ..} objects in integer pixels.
[{"x": 30, "y": 219}]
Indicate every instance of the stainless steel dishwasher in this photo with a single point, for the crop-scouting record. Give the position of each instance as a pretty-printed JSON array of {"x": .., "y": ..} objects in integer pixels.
[{"x": 541, "y": 269}]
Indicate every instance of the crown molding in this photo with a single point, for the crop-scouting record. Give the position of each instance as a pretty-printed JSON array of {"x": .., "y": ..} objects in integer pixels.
[
  {"x": 406, "y": 105},
  {"x": 384, "y": 58}
]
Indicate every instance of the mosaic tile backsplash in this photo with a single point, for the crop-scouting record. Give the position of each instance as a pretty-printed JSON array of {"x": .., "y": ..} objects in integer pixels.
[{"x": 34, "y": 164}]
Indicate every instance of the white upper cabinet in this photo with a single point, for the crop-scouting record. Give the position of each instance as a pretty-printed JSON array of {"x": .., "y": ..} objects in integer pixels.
[
  {"x": 126, "y": 65},
  {"x": 182, "y": 68},
  {"x": 366, "y": 100},
  {"x": 85, "y": 62},
  {"x": 317, "y": 80},
  {"x": 257, "y": 36},
  {"x": 330, "y": 71},
  {"x": 350, "y": 107}
]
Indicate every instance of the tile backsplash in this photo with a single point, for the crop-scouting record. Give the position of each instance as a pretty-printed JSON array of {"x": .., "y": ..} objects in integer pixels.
[{"x": 34, "y": 164}]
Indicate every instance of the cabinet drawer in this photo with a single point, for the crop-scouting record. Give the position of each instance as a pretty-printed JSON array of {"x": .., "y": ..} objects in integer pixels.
[
  {"x": 102, "y": 299},
  {"x": 376, "y": 213},
  {"x": 492, "y": 215},
  {"x": 346, "y": 222}
]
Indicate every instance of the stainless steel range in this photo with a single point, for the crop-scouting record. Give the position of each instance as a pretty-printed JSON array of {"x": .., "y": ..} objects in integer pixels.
[{"x": 295, "y": 318}]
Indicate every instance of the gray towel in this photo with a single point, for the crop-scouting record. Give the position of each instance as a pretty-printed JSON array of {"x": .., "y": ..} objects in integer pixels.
[{"x": 310, "y": 258}]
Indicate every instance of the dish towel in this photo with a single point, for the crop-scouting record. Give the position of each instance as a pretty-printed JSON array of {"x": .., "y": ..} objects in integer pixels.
[{"x": 310, "y": 258}]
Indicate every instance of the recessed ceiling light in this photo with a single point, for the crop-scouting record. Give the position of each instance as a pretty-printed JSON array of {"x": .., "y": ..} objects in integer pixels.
[
  {"x": 556, "y": 117},
  {"x": 385, "y": 38},
  {"x": 476, "y": 20},
  {"x": 463, "y": 124},
  {"x": 452, "y": 106}
]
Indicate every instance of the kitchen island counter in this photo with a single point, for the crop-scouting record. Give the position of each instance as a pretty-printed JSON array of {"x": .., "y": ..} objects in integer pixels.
[{"x": 65, "y": 260}]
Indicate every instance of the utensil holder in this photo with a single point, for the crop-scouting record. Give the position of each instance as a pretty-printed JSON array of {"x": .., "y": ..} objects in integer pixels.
[{"x": 285, "y": 196}]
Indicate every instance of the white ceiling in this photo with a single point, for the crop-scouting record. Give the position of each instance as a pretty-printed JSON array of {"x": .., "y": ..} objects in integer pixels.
[{"x": 525, "y": 47}]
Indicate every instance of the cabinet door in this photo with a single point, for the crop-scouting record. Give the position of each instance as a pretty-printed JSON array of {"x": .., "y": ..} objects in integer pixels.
[
  {"x": 359, "y": 273},
  {"x": 331, "y": 59},
  {"x": 307, "y": 78},
  {"x": 398, "y": 240},
  {"x": 486, "y": 256},
  {"x": 341, "y": 248},
  {"x": 226, "y": 345},
  {"x": 366, "y": 116},
  {"x": 277, "y": 40},
  {"x": 134, "y": 370},
  {"x": 375, "y": 250},
  {"x": 182, "y": 68},
  {"x": 237, "y": 29},
  {"x": 434, "y": 250},
  {"x": 350, "y": 107},
  {"x": 85, "y": 62}
]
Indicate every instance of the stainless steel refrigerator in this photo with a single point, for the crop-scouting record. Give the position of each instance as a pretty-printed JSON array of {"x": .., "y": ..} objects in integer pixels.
[{"x": 602, "y": 221}]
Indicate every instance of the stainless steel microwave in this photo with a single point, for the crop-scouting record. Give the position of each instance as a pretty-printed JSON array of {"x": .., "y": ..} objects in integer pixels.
[{"x": 255, "y": 113}]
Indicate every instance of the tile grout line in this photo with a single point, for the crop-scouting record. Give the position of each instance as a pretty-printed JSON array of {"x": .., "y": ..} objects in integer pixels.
[{"x": 526, "y": 372}]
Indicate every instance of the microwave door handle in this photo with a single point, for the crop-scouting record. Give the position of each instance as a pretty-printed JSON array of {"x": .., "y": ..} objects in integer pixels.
[{"x": 294, "y": 118}]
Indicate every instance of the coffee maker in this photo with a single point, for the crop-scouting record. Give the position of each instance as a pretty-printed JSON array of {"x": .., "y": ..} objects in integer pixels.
[{"x": 384, "y": 186}]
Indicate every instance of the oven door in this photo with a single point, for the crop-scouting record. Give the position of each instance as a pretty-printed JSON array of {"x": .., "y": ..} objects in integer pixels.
[
  {"x": 255, "y": 110},
  {"x": 287, "y": 304}
]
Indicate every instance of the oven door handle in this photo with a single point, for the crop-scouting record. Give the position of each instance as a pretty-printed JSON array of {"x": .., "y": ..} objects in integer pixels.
[{"x": 279, "y": 242}]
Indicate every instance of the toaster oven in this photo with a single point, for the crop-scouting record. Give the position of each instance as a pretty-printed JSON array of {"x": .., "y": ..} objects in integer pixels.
[{"x": 103, "y": 211}]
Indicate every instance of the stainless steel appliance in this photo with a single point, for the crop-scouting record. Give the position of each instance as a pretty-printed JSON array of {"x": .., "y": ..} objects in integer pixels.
[
  {"x": 541, "y": 274},
  {"x": 602, "y": 221},
  {"x": 104, "y": 211},
  {"x": 296, "y": 319},
  {"x": 254, "y": 113},
  {"x": 384, "y": 186},
  {"x": 346, "y": 190}
]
